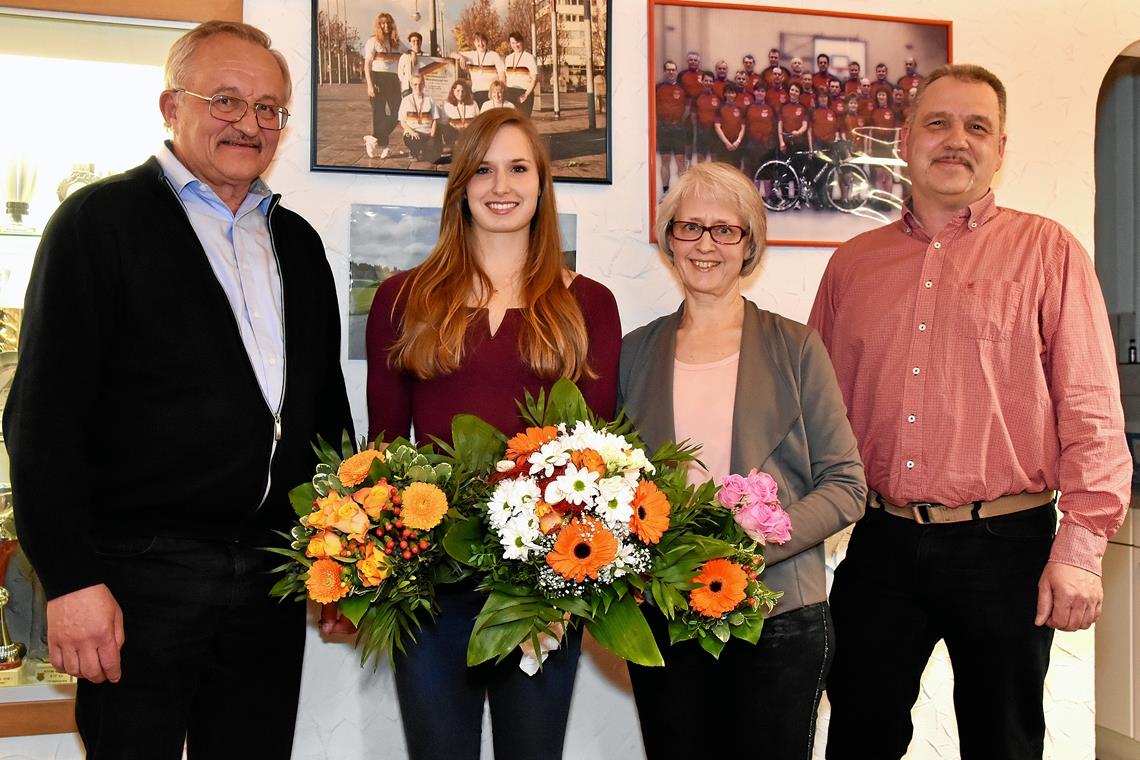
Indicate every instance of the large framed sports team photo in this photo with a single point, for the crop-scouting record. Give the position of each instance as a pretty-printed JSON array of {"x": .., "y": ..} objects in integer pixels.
[
  {"x": 395, "y": 82},
  {"x": 809, "y": 104}
]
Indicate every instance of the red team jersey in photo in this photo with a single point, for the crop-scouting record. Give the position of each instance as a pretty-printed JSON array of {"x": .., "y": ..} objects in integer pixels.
[
  {"x": 731, "y": 119},
  {"x": 792, "y": 116},
  {"x": 671, "y": 100},
  {"x": 776, "y": 97},
  {"x": 707, "y": 106},
  {"x": 824, "y": 125},
  {"x": 760, "y": 123},
  {"x": 691, "y": 82}
]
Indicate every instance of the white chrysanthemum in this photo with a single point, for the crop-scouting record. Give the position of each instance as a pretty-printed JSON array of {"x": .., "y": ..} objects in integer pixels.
[
  {"x": 515, "y": 545},
  {"x": 552, "y": 454},
  {"x": 615, "y": 501},
  {"x": 576, "y": 486},
  {"x": 499, "y": 507}
]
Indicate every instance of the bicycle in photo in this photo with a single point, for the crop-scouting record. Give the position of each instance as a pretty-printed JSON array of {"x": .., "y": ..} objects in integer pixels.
[{"x": 813, "y": 179}]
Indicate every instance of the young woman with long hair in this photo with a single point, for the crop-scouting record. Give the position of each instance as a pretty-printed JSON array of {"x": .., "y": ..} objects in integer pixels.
[
  {"x": 491, "y": 312},
  {"x": 382, "y": 54}
]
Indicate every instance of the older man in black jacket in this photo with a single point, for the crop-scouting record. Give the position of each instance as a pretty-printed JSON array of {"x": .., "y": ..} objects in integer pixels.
[{"x": 180, "y": 350}]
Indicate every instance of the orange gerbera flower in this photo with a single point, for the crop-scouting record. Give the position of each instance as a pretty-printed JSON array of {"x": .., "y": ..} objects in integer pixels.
[
  {"x": 529, "y": 441},
  {"x": 355, "y": 469},
  {"x": 650, "y": 517},
  {"x": 423, "y": 506},
  {"x": 588, "y": 459},
  {"x": 326, "y": 583},
  {"x": 582, "y": 549},
  {"x": 721, "y": 588}
]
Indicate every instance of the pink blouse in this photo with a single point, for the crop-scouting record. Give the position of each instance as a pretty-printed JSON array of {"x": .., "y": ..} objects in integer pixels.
[{"x": 704, "y": 396}]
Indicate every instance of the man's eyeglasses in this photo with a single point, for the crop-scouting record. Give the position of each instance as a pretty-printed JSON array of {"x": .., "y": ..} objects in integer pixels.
[
  {"x": 725, "y": 234},
  {"x": 231, "y": 109}
]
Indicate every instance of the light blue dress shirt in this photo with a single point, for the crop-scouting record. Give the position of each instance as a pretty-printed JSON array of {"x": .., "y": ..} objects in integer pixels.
[{"x": 240, "y": 251}]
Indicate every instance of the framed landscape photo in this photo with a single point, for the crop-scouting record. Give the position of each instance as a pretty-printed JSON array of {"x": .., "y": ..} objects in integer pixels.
[
  {"x": 396, "y": 82},
  {"x": 809, "y": 104}
]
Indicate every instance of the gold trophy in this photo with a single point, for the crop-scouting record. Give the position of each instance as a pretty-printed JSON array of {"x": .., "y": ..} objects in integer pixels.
[{"x": 11, "y": 652}]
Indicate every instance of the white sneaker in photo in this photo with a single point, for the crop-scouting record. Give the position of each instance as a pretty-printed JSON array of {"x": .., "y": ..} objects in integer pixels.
[
  {"x": 370, "y": 145},
  {"x": 384, "y": 153}
]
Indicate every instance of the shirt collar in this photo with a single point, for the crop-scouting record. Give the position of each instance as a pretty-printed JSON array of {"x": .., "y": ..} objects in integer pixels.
[
  {"x": 181, "y": 178},
  {"x": 973, "y": 216}
]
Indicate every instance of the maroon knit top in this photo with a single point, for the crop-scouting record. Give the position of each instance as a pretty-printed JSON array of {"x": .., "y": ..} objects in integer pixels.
[{"x": 492, "y": 375}]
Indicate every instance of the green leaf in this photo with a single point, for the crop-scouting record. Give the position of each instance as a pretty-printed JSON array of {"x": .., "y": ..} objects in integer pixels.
[
  {"x": 475, "y": 444},
  {"x": 722, "y": 631},
  {"x": 353, "y": 607},
  {"x": 464, "y": 539},
  {"x": 711, "y": 644},
  {"x": 623, "y": 631},
  {"x": 302, "y": 498},
  {"x": 565, "y": 403},
  {"x": 751, "y": 628}
]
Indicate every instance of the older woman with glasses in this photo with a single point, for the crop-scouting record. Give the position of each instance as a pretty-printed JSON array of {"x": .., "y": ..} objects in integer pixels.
[{"x": 754, "y": 390}]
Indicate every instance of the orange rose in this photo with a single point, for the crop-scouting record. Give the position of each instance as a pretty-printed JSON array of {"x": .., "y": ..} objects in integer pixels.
[
  {"x": 348, "y": 518},
  {"x": 355, "y": 469},
  {"x": 373, "y": 569},
  {"x": 548, "y": 519},
  {"x": 590, "y": 460},
  {"x": 374, "y": 499},
  {"x": 324, "y": 544}
]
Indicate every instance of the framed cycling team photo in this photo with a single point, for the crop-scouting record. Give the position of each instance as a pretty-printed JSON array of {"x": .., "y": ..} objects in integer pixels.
[
  {"x": 809, "y": 104},
  {"x": 395, "y": 82}
]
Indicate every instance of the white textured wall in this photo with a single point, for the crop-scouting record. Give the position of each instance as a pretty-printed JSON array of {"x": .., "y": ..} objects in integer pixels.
[{"x": 1051, "y": 54}]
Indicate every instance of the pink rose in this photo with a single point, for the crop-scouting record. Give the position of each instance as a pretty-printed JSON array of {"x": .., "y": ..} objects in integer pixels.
[
  {"x": 764, "y": 523},
  {"x": 760, "y": 488},
  {"x": 732, "y": 491}
]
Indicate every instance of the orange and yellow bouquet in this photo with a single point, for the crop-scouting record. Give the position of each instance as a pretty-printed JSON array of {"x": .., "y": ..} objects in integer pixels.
[{"x": 369, "y": 537}]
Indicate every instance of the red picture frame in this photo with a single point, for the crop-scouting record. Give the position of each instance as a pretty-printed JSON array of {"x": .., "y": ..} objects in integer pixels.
[{"x": 817, "y": 195}]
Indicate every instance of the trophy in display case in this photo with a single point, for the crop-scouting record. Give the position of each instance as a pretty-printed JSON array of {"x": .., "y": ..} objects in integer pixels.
[
  {"x": 21, "y": 182},
  {"x": 12, "y": 653}
]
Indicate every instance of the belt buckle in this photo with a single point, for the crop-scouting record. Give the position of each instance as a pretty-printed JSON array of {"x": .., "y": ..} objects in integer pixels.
[{"x": 921, "y": 511}]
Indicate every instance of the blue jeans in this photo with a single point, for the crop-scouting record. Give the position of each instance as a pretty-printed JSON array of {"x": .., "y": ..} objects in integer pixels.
[
  {"x": 901, "y": 588},
  {"x": 441, "y": 699},
  {"x": 754, "y": 701}
]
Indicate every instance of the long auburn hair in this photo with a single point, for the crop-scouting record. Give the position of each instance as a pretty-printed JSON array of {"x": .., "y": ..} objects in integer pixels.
[
  {"x": 391, "y": 41},
  {"x": 553, "y": 340}
]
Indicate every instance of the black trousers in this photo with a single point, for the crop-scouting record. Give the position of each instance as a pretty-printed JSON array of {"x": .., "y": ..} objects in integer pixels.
[
  {"x": 385, "y": 105},
  {"x": 901, "y": 588},
  {"x": 752, "y": 702},
  {"x": 441, "y": 699},
  {"x": 209, "y": 660}
]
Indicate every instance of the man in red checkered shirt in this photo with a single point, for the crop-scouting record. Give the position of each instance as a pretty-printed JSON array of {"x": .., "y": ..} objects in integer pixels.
[{"x": 975, "y": 357}]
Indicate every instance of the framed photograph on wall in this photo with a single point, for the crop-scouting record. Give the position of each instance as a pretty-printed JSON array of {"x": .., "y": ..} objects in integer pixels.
[
  {"x": 809, "y": 104},
  {"x": 396, "y": 82}
]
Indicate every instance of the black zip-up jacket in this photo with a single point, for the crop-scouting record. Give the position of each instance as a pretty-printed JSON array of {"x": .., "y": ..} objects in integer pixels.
[{"x": 135, "y": 409}]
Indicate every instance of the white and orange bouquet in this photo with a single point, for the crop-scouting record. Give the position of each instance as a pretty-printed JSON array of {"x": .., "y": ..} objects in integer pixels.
[
  {"x": 369, "y": 537},
  {"x": 567, "y": 532}
]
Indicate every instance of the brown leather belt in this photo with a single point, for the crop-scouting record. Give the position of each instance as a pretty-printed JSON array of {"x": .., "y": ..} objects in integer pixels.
[{"x": 926, "y": 512}]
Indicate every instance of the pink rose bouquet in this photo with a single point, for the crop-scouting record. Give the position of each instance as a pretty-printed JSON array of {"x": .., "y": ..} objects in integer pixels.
[{"x": 756, "y": 507}]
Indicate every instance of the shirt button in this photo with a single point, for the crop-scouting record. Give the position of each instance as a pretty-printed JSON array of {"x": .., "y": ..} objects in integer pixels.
[
  {"x": 928, "y": 284},
  {"x": 910, "y": 464},
  {"x": 973, "y": 225},
  {"x": 915, "y": 370},
  {"x": 910, "y": 418},
  {"x": 257, "y": 315},
  {"x": 272, "y": 361},
  {"x": 921, "y": 326},
  {"x": 937, "y": 245}
]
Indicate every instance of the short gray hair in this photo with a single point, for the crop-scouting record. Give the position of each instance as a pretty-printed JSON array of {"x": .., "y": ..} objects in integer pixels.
[
  {"x": 965, "y": 72},
  {"x": 719, "y": 183},
  {"x": 184, "y": 48}
]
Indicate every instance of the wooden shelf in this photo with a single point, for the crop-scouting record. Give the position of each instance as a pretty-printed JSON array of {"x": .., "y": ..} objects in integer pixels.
[{"x": 49, "y": 716}]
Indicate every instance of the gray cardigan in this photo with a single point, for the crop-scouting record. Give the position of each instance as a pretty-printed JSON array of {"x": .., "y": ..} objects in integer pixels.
[{"x": 789, "y": 421}]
